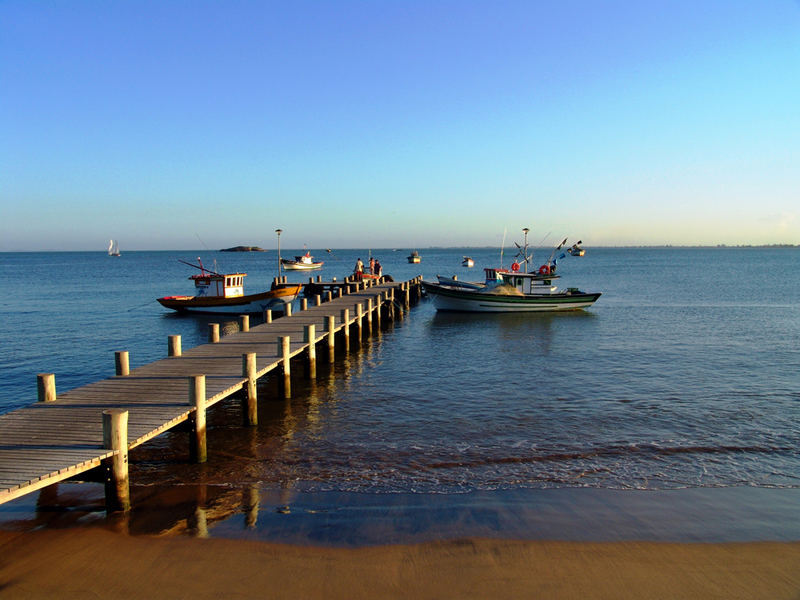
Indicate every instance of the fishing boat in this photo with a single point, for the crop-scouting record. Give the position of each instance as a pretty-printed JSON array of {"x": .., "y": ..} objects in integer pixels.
[
  {"x": 510, "y": 290},
  {"x": 113, "y": 248},
  {"x": 224, "y": 293},
  {"x": 467, "y": 262},
  {"x": 576, "y": 249},
  {"x": 301, "y": 263},
  {"x": 414, "y": 258}
]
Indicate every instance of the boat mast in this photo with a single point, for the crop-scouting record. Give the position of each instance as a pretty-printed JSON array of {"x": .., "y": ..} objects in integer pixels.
[{"x": 525, "y": 230}]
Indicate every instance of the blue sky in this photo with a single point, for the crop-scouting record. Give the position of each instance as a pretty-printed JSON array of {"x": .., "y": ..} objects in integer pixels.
[{"x": 398, "y": 123}]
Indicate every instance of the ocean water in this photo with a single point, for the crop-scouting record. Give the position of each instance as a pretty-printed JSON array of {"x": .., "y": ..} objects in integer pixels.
[{"x": 684, "y": 375}]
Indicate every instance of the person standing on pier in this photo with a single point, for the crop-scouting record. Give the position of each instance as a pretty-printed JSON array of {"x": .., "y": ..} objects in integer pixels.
[
  {"x": 359, "y": 270},
  {"x": 376, "y": 268}
]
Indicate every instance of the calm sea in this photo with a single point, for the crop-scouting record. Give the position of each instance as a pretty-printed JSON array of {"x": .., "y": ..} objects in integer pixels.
[{"x": 684, "y": 374}]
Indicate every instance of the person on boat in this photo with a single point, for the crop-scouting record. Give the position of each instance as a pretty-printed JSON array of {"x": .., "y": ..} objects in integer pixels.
[
  {"x": 371, "y": 266},
  {"x": 359, "y": 270},
  {"x": 376, "y": 268}
]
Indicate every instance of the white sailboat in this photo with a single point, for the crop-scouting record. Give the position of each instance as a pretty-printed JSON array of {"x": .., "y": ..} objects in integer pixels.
[{"x": 113, "y": 248}]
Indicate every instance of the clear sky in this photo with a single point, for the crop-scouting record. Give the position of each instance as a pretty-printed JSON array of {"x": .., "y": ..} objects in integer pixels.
[{"x": 402, "y": 123}]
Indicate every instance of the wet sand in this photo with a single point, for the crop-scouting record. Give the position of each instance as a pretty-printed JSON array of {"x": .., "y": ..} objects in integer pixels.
[{"x": 97, "y": 563}]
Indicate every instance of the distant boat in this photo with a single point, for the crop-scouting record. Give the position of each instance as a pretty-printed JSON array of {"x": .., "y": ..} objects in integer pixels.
[
  {"x": 301, "y": 263},
  {"x": 224, "y": 293},
  {"x": 414, "y": 257},
  {"x": 113, "y": 248},
  {"x": 467, "y": 262},
  {"x": 576, "y": 250}
]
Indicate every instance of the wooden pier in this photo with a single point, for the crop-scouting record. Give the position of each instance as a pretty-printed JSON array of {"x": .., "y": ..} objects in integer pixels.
[{"x": 64, "y": 435}]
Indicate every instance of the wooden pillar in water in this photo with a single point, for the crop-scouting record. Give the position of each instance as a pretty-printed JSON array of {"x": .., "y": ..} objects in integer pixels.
[
  {"x": 174, "y": 345},
  {"x": 244, "y": 322},
  {"x": 346, "y": 328},
  {"x": 378, "y": 308},
  {"x": 359, "y": 321},
  {"x": 46, "y": 387},
  {"x": 198, "y": 447},
  {"x": 122, "y": 364},
  {"x": 285, "y": 349},
  {"x": 370, "y": 308},
  {"x": 331, "y": 337},
  {"x": 310, "y": 337},
  {"x": 115, "y": 438},
  {"x": 407, "y": 298},
  {"x": 213, "y": 333},
  {"x": 250, "y": 400}
]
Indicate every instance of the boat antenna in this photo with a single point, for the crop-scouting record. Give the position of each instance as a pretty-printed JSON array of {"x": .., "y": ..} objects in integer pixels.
[
  {"x": 279, "y": 232},
  {"x": 201, "y": 267}
]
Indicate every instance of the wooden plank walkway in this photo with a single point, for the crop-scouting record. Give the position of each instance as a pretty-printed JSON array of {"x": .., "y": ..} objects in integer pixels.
[{"x": 47, "y": 442}]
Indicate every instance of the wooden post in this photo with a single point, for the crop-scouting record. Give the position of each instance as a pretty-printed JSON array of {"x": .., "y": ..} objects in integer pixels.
[
  {"x": 370, "y": 308},
  {"x": 317, "y": 300},
  {"x": 198, "y": 448},
  {"x": 285, "y": 349},
  {"x": 251, "y": 503},
  {"x": 244, "y": 322},
  {"x": 304, "y": 304},
  {"x": 407, "y": 300},
  {"x": 331, "y": 337},
  {"x": 268, "y": 316},
  {"x": 122, "y": 365},
  {"x": 174, "y": 345},
  {"x": 391, "y": 304},
  {"x": 360, "y": 321},
  {"x": 339, "y": 292},
  {"x": 287, "y": 307},
  {"x": 319, "y": 278},
  {"x": 46, "y": 387},
  {"x": 328, "y": 296},
  {"x": 346, "y": 328},
  {"x": 310, "y": 337},
  {"x": 213, "y": 333},
  {"x": 378, "y": 307},
  {"x": 250, "y": 401},
  {"x": 274, "y": 282},
  {"x": 115, "y": 438}
]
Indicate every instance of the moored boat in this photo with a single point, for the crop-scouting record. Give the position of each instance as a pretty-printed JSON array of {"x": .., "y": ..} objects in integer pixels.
[
  {"x": 467, "y": 262},
  {"x": 414, "y": 258},
  {"x": 224, "y": 293},
  {"x": 301, "y": 263},
  {"x": 510, "y": 290}
]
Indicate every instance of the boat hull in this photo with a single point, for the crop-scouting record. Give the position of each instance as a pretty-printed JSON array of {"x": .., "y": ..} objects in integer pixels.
[
  {"x": 250, "y": 304},
  {"x": 446, "y": 298},
  {"x": 295, "y": 266}
]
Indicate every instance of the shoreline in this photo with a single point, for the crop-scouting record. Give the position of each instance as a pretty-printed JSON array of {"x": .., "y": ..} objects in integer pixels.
[{"x": 71, "y": 564}]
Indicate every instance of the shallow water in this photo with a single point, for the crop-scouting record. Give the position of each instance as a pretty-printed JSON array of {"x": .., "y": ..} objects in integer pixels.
[{"x": 682, "y": 375}]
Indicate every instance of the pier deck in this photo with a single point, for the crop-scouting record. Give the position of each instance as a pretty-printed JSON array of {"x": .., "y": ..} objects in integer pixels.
[{"x": 50, "y": 441}]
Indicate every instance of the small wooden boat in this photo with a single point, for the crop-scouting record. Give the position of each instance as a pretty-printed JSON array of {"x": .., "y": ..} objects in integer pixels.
[
  {"x": 301, "y": 263},
  {"x": 467, "y": 262},
  {"x": 414, "y": 258},
  {"x": 224, "y": 293}
]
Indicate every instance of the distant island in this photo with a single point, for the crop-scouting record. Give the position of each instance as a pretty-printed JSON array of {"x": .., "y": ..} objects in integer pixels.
[{"x": 243, "y": 249}]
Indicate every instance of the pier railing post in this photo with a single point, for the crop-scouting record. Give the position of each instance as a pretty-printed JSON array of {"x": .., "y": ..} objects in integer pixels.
[
  {"x": 317, "y": 300},
  {"x": 304, "y": 304},
  {"x": 213, "y": 333},
  {"x": 378, "y": 308},
  {"x": 122, "y": 365},
  {"x": 328, "y": 296},
  {"x": 370, "y": 308},
  {"x": 360, "y": 321},
  {"x": 46, "y": 387},
  {"x": 174, "y": 345},
  {"x": 250, "y": 404},
  {"x": 115, "y": 438},
  {"x": 285, "y": 350},
  {"x": 331, "y": 337},
  {"x": 268, "y": 316},
  {"x": 244, "y": 322},
  {"x": 310, "y": 337},
  {"x": 198, "y": 447},
  {"x": 287, "y": 307}
]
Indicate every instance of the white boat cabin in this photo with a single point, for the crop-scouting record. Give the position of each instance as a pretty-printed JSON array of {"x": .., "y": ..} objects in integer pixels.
[
  {"x": 526, "y": 283},
  {"x": 219, "y": 286}
]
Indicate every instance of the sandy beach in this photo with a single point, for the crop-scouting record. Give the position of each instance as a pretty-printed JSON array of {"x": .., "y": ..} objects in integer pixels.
[{"x": 97, "y": 563}]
